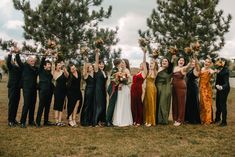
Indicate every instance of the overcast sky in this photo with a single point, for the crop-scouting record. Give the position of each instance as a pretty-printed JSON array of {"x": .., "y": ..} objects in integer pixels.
[{"x": 128, "y": 15}]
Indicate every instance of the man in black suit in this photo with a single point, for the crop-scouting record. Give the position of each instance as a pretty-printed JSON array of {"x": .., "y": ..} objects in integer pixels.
[
  {"x": 29, "y": 82},
  {"x": 223, "y": 88},
  {"x": 14, "y": 79},
  {"x": 45, "y": 92}
]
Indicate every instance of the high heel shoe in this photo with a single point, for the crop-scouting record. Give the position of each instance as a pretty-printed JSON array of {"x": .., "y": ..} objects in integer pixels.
[{"x": 71, "y": 123}]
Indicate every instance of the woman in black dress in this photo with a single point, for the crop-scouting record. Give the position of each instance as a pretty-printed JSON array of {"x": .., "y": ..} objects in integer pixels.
[
  {"x": 88, "y": 105},
  {"x": 60, "y": 76},
  {"x": 74, "y": 94},
  {"x": 192, "y": 114},
  {"x": 100, "y": 92}
]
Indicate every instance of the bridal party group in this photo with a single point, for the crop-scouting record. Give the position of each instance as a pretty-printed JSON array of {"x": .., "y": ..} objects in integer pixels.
[{"x": 118, "y": 99}]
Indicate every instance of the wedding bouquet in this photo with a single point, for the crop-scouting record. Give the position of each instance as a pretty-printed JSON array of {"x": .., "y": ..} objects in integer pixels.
[
  {"x": 99, "y": 43},
  {"x": 173, "y": 50},
  {"x": 122, "y": 78},
  {"x": 51, "y": 44},
  {"x": 196, "y": 46},
  {"x": 143, "y": 42},
  {"x": 84, "y": 51},
  {"x": 188, "y": 51}
]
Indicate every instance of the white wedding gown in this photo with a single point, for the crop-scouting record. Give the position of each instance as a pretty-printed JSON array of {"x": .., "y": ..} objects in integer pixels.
[{"x": 122, "y": 115}]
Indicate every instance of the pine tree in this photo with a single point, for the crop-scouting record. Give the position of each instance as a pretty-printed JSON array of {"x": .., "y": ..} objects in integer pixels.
[
  {"x": 71, "y": 24},
  {"x": 182, "y": 22}
]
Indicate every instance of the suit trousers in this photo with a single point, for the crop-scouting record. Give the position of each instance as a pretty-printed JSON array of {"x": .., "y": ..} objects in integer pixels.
[
  {"x": 14, "y": 98},
  {"x": 30, "y": 96},
  {"x": 45, "y": 96},
  {"x": 221, "y": 105}
]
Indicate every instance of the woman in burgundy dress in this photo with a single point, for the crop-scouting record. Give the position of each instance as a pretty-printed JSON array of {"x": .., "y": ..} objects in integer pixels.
[
  {"x": 136, "y": 93},
  {"x": 179, "y": 91}
]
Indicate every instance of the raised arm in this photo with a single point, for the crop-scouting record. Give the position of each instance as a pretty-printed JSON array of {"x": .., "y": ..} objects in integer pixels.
[
  {"x": 41, "y": 67},
  {"x": 96, "y": 68},
  {"x": 85, "y": 74},
  {"x": 144, "y": 63},
  {"x": 187, "y": 67},
  {"x": 196, "y": 70},
  {"x": 9, "y": 65},
  {"x": 66, "y": 73}
]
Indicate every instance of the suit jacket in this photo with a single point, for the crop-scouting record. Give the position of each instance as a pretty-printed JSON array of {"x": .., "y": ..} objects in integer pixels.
[
  {"x": 29, "y": 75},
  {"x": 112, "y": 85},
  {"x": 222, "y": 79},
  {"x": 14, "y": 73},
  {"x": 45, "y": 77}
]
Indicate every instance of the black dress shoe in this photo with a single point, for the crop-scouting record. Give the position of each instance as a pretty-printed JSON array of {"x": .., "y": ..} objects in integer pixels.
[
  {"x": 223, "y": 124},
  {"x": 32, "y": 124},
  {"x": 216, "y": 121},
  {"x": 16, "y": 123},
  {"x": 48, "y": 123},
  {"x": 23, "y": 125},
  {"x": 38, "y": 125},
  {"x": 109, "y": 124},
  {"x": 11, "y": 124}
]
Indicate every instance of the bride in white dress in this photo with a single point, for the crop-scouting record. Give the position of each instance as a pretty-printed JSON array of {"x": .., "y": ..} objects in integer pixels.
[{"x": 122, "y": 115}]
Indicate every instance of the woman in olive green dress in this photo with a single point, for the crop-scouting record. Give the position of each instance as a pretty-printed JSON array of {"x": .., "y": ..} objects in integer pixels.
[{"x": 163, "y": 84}]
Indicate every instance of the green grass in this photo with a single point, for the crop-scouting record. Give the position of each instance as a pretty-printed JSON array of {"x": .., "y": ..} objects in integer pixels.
[{"x": 186, "y": 140}]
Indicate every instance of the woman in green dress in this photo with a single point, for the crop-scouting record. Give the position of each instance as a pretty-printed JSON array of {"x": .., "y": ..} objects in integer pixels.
[{"x": 163, "y": 84}]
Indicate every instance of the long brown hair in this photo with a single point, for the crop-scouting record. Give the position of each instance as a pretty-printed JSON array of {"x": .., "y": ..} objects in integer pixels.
[{"x": 127, "y": 63}]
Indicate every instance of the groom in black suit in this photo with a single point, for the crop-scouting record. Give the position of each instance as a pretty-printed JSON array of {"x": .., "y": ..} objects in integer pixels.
[{"x": 222, "y": 88}]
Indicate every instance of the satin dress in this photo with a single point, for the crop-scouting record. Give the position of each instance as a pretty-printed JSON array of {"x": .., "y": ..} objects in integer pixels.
[{"x": 136, "y": 101}]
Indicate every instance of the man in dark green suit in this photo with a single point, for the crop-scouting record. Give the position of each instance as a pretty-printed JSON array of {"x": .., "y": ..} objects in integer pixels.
[
  {"x": 14, "y": 79},
  {"x": 112, "y": 92}
]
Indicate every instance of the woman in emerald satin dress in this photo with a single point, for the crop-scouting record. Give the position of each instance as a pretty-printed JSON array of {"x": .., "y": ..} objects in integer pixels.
[{"x": 163, "y": 83}]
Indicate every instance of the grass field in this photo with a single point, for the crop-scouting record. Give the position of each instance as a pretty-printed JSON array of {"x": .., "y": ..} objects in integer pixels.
[{"x": 186, "y": 140}]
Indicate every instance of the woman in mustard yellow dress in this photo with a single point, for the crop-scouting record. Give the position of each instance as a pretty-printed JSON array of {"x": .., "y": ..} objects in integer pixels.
[
  {"x": 205, "y": 87},
  {"x": 150, "y": 96}
]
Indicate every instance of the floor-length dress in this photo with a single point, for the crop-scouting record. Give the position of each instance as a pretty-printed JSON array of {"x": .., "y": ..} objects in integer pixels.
[
  {"x": 150, "y": 101},
  {"x": 60, "y": 92},
  {"x": 205, "y": 97},
  {"x": 122, "y": 115},
  {"x": 100, "y": 98},
  {"x": 163, "y": 83},
  {"x": 73, "y": 92},
  {"x": 192, "y": 112},
  {"x": 178, "y": 96},
  {"x": 88, "y": 105},
  {"x": 136, "y": 101}
]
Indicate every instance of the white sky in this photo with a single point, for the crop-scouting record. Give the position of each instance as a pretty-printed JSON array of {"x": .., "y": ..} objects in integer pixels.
[{"x": 128, "y": 15}]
